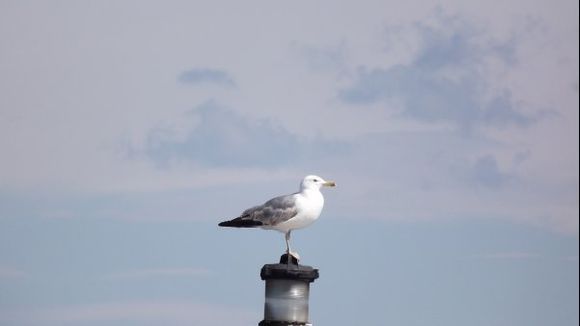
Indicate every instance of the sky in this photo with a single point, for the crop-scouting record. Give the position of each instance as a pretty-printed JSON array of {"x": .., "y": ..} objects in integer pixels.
[{"x": 129, "y": 129}]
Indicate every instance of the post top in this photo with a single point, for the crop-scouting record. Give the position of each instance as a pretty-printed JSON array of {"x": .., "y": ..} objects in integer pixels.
[{"x": 289, "y": 272}]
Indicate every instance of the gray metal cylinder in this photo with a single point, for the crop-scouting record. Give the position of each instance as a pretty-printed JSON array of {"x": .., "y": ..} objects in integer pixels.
[
  {"x": 287, "y": 293},
  {"x": 286, "y": 300}
]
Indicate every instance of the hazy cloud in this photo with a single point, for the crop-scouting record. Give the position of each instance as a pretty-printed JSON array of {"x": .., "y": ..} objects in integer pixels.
[
  {"x": 509, "y": 255},
  {"x": 445, "y": 82},
  {"x": 140, "y": 312},
  {"x": 324, "y": 59},
  {"x": 11, "y": 273},
  {"x": 143, "y": 274},
  {"x": 485, "y": 172},
  {"x": 206, "y": 75},
  {"x": 222, "y": 137}
]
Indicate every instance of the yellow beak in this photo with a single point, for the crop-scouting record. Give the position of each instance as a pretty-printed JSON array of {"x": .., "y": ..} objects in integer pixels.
[{"x": 329, "y": 184}]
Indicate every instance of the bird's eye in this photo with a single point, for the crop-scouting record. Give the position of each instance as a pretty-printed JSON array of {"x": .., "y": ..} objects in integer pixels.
[{"x": 315, "y": 180}]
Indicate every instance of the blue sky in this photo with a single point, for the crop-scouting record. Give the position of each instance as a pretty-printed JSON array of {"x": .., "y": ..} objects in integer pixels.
[{"x": 129, "y": 129}]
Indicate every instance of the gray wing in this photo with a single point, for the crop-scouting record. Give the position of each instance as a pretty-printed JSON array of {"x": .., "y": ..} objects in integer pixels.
[{"x": 273, "y": 212}]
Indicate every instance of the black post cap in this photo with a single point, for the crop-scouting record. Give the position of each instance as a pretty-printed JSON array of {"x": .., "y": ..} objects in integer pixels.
[{"x": 289, "y": 272}]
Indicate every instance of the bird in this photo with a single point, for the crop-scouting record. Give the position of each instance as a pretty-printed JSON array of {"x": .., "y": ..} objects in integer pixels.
[{"x": 286, "y": 213}]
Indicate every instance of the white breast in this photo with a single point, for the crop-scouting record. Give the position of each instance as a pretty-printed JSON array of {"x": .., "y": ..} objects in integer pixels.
[{"x": 309, "y": 203}]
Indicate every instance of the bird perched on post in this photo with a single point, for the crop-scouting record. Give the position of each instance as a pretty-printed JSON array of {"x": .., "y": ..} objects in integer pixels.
[{"x": 286, "y": 213}]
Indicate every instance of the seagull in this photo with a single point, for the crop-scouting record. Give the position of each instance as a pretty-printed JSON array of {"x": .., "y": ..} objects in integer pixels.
[{"x": 286, "y": 213}]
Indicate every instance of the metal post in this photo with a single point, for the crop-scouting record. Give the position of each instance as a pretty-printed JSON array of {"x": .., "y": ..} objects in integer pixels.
[{"x": 287, "y": 293}]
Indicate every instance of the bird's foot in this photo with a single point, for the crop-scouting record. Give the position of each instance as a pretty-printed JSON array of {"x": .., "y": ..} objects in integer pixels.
[
  {"x": 290, "y": 258},
  {"x": 295, "y": 255}
]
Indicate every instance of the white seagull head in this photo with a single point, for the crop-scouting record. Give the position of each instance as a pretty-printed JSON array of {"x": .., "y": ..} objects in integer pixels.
[{"x": 315, "y": 182}]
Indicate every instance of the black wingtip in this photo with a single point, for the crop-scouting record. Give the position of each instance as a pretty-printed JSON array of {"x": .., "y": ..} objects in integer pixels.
[{"x": 240, "y": 223}]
